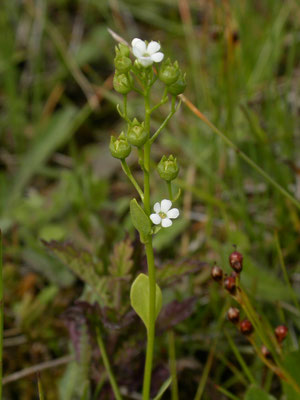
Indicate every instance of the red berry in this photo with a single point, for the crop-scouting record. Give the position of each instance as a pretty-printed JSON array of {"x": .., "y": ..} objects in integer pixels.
[
  {"x": 236, "y": 261},
  {"x": 233, "y": 315},
  {"x": 217, "y": 273},
  {"x": 229, "y": 284},
  {"x": 246, "y": 327},
  {"x": 280, "y": 332}
]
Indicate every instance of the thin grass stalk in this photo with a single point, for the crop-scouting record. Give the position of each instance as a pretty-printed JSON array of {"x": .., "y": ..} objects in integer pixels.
[
  {"x": 172, "y": 363},
  {"x": 247, "y": 159},
  {"x": 107, "y": 366},
  {"x": 1, "y": 316}
]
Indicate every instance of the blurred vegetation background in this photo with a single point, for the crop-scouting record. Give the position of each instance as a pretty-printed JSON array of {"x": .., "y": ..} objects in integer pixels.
[{"x": 59, "y": 182}]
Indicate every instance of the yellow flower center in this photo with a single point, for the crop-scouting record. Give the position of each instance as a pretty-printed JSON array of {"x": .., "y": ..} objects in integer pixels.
[{"x": 162, "y": 215}]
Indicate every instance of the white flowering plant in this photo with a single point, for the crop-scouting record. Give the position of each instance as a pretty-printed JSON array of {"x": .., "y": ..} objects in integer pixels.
[{"x": 137, "y": 69}]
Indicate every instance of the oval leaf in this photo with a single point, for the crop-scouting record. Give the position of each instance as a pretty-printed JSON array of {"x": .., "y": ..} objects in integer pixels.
[
  {"x": 139, "y": 297},
  {"x": 256, "y": 393},
  {"x": 140, "y": 220}
]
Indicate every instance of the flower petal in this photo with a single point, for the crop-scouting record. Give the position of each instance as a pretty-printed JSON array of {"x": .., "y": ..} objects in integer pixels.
[
  {"x": 157, "y": 57},
  {"x": 153, "y": 47},
  {"x": 166, "y": 205},
  {"x": 139, "y": 43},
  {"x": 156, "y": 207},
  {"x": 155, "y": 218},
  {"x": 145, "y": 61},
  {"x": 174, "y": 213},
  {"x": 138, "y": 47},
  {"x": 166, "y": 222}
]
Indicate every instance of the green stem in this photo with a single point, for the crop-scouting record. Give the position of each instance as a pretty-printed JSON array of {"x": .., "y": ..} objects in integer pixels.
[
  {"x": 1, "y": 315},
  {"x": 125, "y": 107},
  {"x": 172, "y": 362},
  {"x": 127, "y": 171},
  {"x": 151, "y": 327},
  {"x": 163, "y": 101},
  {"x": 169, "y": 116},
  {"x": 170, "y": 190},
  {"x": 40, "y": 389},
  {"x": 240, "y": 359},
  {"x": 107, "y": 366},
  {"x": 147, "y": 149},
  {"x": 226, "y": 392}
]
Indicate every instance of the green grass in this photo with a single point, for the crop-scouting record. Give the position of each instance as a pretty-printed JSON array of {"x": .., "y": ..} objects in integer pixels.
[{"x": 58, "y": 181}]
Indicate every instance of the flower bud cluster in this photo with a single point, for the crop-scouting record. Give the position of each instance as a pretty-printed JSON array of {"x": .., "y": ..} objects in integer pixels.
[
  {"x": 122, "y": 81},
  {"x": 122, "y": 60},
  {"x": 172, "y": 76}
]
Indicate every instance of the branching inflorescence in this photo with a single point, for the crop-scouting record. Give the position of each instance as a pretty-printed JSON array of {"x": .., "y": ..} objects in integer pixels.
[
  {"x": 139, "y": 76},
  {"x": 266, "y": 343}
]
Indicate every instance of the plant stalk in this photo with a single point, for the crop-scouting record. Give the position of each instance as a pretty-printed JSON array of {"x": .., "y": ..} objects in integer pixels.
[
  {"x": 172, "y": 363},
  {"x": 107, "y": 366},
  {"x": 151, "y": 327},
  {"x": 1, "y": 316}
]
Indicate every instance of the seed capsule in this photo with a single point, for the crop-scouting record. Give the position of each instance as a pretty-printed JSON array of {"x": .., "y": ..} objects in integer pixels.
[
  {"x": 246, "y": 327},
  {"x": 137, "y": 135},
  {"x": 217, "y": 273},
  {"x": 281, "y": 332},
  {"x": 236, "y": 261},
  {"x": 229, "y": 284},
  {"x": 179, "y": 86},
  {"x": 233, "y": 315},
  {"x": 168, "y": 168},
  {"x": 119, "y": 147}
]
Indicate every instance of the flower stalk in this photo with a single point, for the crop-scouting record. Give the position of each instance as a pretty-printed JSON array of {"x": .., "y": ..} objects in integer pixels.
[{"x": 139, "y": 136}]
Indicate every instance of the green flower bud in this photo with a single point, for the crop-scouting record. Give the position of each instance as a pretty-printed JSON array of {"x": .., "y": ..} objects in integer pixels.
[
  {"x": 168, "y": 168},
  {"x": 122, "y": 83},
  {"x": 137, "y": 135},
  {"x": 169, "y": 72},
  {"x": 119, "y": 147},
  {"x": 122, "y": 63},
  {"x": 179, "y": 86},
  {"x": 122, "y": 50}
]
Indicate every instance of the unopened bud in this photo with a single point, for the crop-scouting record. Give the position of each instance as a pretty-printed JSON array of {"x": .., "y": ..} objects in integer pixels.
[
  {"x": 281, "y": 332},
  {"x": 233, "y": 315},
  {"x": 122, "y": 63},
  {"x": 179, "y": 86},
  {"x": 217, "y": 273},
  {"x": 168, "y": 168},
  {"x": 119, "y": 147},
  {"x": 265, "y": 352},
  {"x": 122, "y": 83},
  {"x": 168, "y": 72},
  {"x": 122, "y": 50},
  {"x": 137, "y": 135},
  {"x": 246, "y": 327},
  {"x": 236, "y": 261},
  {"x": 229, "y": 284}
]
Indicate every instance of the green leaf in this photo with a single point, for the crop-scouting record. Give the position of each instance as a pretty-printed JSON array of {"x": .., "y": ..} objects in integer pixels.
[
  {"x": 121, "y": 262},
  {"x": 291, "y": 364},
  {"x": 163, "y": 388},
  {"x": 140, "y": 220},
  {"x": 139, "y": 297},
  {"x": 256, "y": 393},
  {"x": 82, "y": 263}
]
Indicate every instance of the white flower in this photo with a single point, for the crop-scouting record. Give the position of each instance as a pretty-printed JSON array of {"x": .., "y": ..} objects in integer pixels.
[
  {"x": 146, "y": 54},
  {"x": 163, "y": 214}
]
